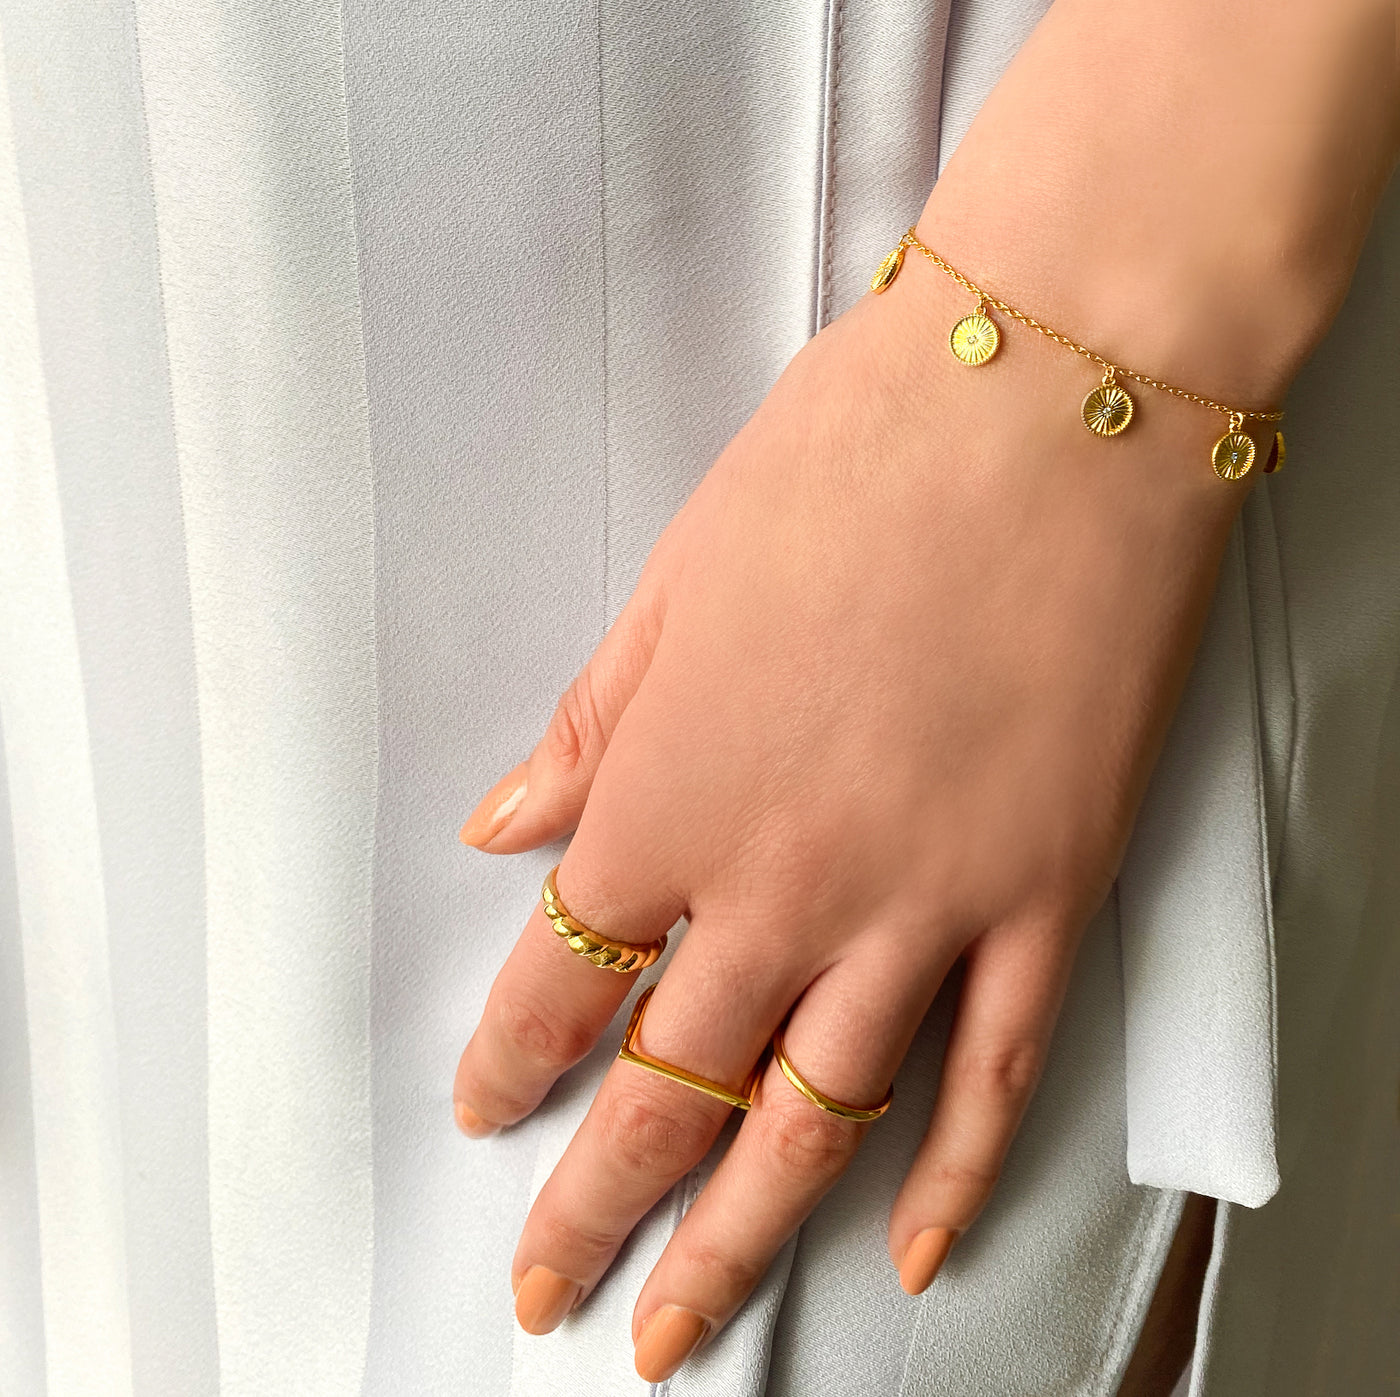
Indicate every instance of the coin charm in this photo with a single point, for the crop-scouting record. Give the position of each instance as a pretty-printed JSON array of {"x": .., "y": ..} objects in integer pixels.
[
  {"x": 1276, "y": 456},
  {"x": 886, "y": 272},
  {"x": 975, "y": 338},
  {"x": 1107, "y": 409},
  {"x": 1233, "y": 454}
]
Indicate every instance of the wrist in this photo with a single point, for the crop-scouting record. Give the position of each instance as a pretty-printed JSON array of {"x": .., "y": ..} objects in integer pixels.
[
  {"x": 1234, "y": 323},
  {"x": 1186, "y": 188},
  {"x": 1023, "y": 413}
]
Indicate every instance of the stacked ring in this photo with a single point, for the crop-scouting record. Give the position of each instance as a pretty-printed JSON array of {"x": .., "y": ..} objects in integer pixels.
[
  {"x": 622, "y": 956},
  {"x": 743, "y": 1098},
  {"x": 629, "y": 1052},
  {"x": 823, "y": 1102}
]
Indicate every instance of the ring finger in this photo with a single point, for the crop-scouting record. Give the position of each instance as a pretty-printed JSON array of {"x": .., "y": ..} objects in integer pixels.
[{"x": 846, "y": 1042}]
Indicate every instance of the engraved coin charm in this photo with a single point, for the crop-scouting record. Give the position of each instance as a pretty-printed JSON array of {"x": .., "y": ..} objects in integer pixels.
[
  {"x": 1107, "y": 409},
  {"x": 1276, "y": 456},
  {"x": 1233, "y": 454},
  {"x": 975, "y": 338},
  {"x": 886, "y": 272}
]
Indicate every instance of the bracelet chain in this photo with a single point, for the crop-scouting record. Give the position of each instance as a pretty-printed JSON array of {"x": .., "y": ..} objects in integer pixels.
[{"x": 911, "y": 239}]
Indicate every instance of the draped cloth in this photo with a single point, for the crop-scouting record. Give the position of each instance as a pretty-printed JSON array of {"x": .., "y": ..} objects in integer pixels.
[{"x": 352, "y": 356}]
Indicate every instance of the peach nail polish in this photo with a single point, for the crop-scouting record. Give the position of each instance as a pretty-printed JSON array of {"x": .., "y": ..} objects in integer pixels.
[
  {"x": 543, "y": 1299},
  {"x": 470, "y": 1124},
  {"x": 497, "y": 806},
  {"x": 924, "y": 1257},
  {"x": 667, "y": 1339}
]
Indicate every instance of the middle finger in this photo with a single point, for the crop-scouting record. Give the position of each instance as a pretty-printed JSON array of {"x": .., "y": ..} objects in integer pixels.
[{"x": 644, "y": 1131}]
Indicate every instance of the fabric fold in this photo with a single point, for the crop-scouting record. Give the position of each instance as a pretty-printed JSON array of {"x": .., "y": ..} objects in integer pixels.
[{"x": 1197, "y": 929}]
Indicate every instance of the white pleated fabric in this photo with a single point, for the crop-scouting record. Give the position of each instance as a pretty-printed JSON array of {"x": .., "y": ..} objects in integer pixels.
[
  {"x": 77, "y": 1204},
  {"x": 352, "y": 356}
]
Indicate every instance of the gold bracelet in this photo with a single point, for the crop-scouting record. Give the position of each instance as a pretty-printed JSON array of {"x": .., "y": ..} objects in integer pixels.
[{"x": 1107, "y": 409}]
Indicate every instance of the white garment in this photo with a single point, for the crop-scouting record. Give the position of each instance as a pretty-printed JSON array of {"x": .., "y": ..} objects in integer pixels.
[{"x": 353, "y": 356}]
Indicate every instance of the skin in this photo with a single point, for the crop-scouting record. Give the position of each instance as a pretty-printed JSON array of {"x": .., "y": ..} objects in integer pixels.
[{"x": 893, "y": 681}]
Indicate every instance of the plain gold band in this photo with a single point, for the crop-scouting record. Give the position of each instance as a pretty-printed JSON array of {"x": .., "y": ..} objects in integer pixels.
[
  {"x": 622, "y": 956},
  {"x": 822, "y": 1102},
  {"x": 629, "y": 1052}
]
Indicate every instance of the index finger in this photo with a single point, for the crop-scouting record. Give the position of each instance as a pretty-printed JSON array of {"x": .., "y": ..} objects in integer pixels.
[{"x": 548, "y": 1005}]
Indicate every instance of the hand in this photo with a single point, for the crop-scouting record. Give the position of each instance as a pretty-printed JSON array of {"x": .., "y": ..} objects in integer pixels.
[{"x": 887, "y": 696}]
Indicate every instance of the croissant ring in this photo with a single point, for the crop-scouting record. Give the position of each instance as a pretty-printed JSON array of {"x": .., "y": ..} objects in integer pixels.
[{"x": 622, "y": 956}]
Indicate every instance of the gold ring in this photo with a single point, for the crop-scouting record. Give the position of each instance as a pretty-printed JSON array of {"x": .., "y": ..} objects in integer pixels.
[
  {"x": 825, "y": 1103},
  {"x": 622, "y": 956},
  {"x": 629, "y": 1052}
]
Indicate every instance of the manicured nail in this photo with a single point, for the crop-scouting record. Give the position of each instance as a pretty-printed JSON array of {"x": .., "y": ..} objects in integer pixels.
[
  {"x": 470, "y": 1124},
  {"x": 667, "y": 1339},
  {"x": 497, "y": 806},
  {"x": 543, "y": 1299},
  {"x": 924, "y": 1257}
]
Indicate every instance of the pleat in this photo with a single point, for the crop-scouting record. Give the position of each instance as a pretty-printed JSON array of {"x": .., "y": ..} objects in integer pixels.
[
  {"x": 882, "y": 133},
  {"x": 21, "y": 1296},
  {"x": 58, "y": 870},
  {"x": 712, "y": 131},
  {"x": 475, "y": 147},
  {"x": 250, "y": 174},
  {"x": 1198, "y": 932},
  {"x": 80, "y": 140}
]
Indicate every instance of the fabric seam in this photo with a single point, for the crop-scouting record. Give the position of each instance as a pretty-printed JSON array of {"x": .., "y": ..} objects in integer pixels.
[
  {"x": 1261, "y": 814},
  {"x": 1114, "y": 1353},
  {"x": 826, "y": 174},
  {"x": 1290, "y": 766},
  {"x": 685, "y": 1195},
  {"x": 603, "y": 296}
]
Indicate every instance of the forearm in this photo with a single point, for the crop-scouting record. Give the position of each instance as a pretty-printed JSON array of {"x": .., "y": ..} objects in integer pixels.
[{"x": 1184, "y": 184}]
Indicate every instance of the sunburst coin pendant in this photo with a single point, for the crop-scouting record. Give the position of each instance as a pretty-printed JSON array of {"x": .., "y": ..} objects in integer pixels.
[
  {"x": 1233, "y": 454},
  {"x": 886, "y": 272},
  {"x": 975, "y": 338},
  {"x": 1107, "y": 409}
]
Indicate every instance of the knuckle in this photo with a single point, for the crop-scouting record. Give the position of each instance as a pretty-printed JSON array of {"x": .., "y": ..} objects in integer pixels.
[
  {"x": 961, "y": 1189},
  {"x": 797, "y": 1138},
  {"x": 566, "y": 1237},
  {"x": 971, "y": 1184},
  {"x": 648, "y": 1137},
  {"x": 542, "y": 1038},
  {"x": 576, "y": 727},
  {"x": 1003, "y": 1072},
  {"x": 723, "y": 1272}
]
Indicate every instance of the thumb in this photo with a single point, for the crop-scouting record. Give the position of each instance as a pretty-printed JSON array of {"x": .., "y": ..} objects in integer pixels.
[{"x": 542, "y": 798}]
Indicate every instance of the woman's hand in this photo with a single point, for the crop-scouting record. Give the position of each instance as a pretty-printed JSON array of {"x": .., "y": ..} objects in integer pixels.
[{"x": 886, "y": 696}]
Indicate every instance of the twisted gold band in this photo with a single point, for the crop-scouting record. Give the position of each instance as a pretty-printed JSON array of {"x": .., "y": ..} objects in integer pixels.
[
  {"x": 825, "y": 1103},
  {"x": 629, "y": 1052},
  {"x": 622, "y": 956}
]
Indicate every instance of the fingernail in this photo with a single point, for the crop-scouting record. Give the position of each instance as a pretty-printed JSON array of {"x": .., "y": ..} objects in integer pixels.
[
  {"x": 667, "y": 1339},
  {"x": 923, "y": 1258},
  {"x": 543, "y": 1299},
  {"x": 497, "y": 806},
  {"x": 470, "y": 1124}
]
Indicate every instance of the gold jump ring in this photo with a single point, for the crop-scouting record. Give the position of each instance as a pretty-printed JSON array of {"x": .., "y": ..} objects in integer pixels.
[
  {"x": 629, "y": 1052},
  {"x": 622, "y": 956},
  {"x": 822, "y": 1102}
]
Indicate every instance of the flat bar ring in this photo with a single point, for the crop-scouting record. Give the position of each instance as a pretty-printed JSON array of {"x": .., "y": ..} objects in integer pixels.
[
  {"x": 622, "y": 956},
  {"x": 629, "y": 1052},
  {"x": 825, "y": 1103}
]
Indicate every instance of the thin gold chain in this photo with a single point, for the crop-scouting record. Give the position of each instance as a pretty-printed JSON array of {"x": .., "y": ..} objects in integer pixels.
[{"x": 910, "y": 239}]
